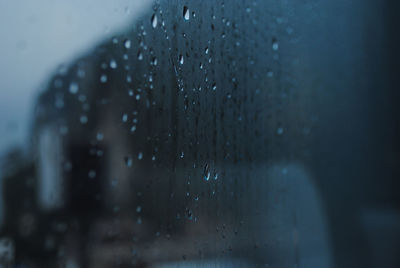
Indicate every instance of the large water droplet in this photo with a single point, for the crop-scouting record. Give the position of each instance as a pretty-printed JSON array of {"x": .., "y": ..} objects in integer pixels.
[
  {"x": 113, "y": 64},
  {"x": 127, "y": 44},
  {"x": 154, "y": 21},
  {"x": 140, "y": 55},
  {"x": 186, "y": 13}
]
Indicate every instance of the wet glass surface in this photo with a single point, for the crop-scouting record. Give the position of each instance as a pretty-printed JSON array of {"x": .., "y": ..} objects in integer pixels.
[{"x": 213, "y": 134}]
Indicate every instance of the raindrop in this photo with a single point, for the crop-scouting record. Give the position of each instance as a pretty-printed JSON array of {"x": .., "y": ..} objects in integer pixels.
[
  {"x": 83, "y": 119},
  {"x": 215, "y": 175},
  {"x": 275, "y": 44},
  {"x": 128, "y": 161},
  {"x": 186, "y": 13},
  {"x": 140, "y": 156},
  {"x": 140, "y": 55},
  {"x": 127, "y": 44},
  {"x": 279, "y": 131},
  {"x": 181, "y": 60},
  {"x": 138, "y": 209},
  {"x": 103, "y": 78},
  {"x": 214, "y": 86},
  {"x": 182, "y": 154},
  {"x": 100, "y": 136},
  {"x": 206, "y": 50},
  {"x": 124, "y": 117},
  {"x": 154, "y": 61},
  {"x": 73, "y": 88},
  {"x": 133, "y": 128},
  {"x": 206, "y": 173},
  {"x": 92, "y": 174},
  {"x": 113, "y": 64},
  {"x": 154, "y": 21},
  {"x": 137, "y": 97}
]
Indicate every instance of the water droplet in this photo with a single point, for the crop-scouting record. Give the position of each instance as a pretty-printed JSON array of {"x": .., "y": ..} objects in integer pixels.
[
  {"x": 138, "y": 209},
  {"x": 153, "y": 158},
  {"x": 140, "y": 156},
  {"x": 182, "y": 154},
  {"x": 140, "y": 55},
  {"x": 124, "y": 117},
  {"x": 181, "y": 60},
  {"x": 113, "y": 64},
  {"x": 128, "y": 161},
  {"x": 206, "y": 50},
  {"x": 215, "y": 175},
  {"x": 206, "y": 173},
  {"x": 83, "y": 119},
  {"x": 133, "y": 128},
  {"x": 275, "y": 44},
  {"x": 92, "y": 174},
  {"x": 100, "y": 136},
  {"x": 73, "y": 88},
  {"x": 130, "y": 92},
  {"x": 127, "y": 44},
  {"x": 154, "y": 21},
  {"x": 279, "y": 131},
  {"x": 214, "y": 86},
  {"x": 103, "y": 78},
  {"x": 154, "y": 61},
  {"x": 137, "y": 97},
  {"x": 186, "y": 13}
]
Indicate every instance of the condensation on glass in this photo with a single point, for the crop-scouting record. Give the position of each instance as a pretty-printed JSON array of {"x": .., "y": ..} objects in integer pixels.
[{"x": 192, "y": 139}]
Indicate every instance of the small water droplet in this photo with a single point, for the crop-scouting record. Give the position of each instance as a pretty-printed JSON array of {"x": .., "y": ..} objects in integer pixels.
[
  {"x": 181, "y": 59},
  {"x": 83, "y": 119},
  {"x": 92, "y": 174},
  {"x": 275, "y": 44},
  {"x": 100, "y": 136},
  {"x": 124, "y": 117},
  {"x": 279, "y": 131},
  {"x": 103, "y": 78},
  {"x": 73, "y": 88},
  {"x": 206, "y": 50},
  {"x": 137, "y": 97},
  {"x": 128, "y": 161},
  {"x": 153, "y": 158},
  {"x": 133, "y": 128},
  {"x": 182, "y": 154},
  {"x": 214, "y": 86},
  {"x": 154, "y": 21},
  {"x": 140, "y": 156},
  {"x": 186, "y": 13},
  {"x": 206, "y": 173},
  {"x": 138, "y": 209}
]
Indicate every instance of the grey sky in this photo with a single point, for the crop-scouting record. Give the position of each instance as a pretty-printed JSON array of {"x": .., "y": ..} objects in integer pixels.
[{"x": 36, "y": 37}]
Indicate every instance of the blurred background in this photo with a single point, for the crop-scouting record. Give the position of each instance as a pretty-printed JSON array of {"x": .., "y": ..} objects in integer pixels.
[{"x": 199, "y": 134}]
